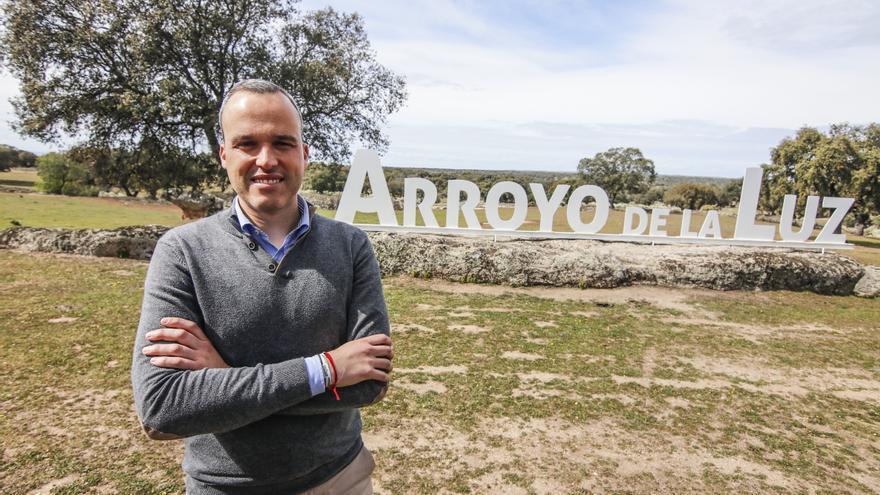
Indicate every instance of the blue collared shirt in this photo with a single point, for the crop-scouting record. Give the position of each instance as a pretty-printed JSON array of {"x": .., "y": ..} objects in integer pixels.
[
  {"x": 263, "y": 240},
  {"x": 313, "y": 363}
]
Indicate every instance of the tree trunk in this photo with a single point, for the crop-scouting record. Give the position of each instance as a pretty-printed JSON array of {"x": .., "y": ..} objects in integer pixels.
[{"x": 208, "y": 128}]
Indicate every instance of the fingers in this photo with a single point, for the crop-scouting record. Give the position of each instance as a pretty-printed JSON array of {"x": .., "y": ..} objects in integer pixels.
[
  {"x": 173, "y": 350},
  {"x": 174, "y": 362},
  {"x": 173, "y": 335},
  {"x": 188, "y": 325},
  {"x": 380, "y": 375},
  {"x": 382, "y": 364},
  {"x": 377, "y": 339},
  {"x": 385, "y": 351}
]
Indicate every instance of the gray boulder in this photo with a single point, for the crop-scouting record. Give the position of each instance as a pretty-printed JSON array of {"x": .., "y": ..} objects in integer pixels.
[
  {"x": 869, "y": 285},
  {"x": 125, "y": 242},
  {"x": 582, "y": 263},
  {"x": 523, "y": 262}
]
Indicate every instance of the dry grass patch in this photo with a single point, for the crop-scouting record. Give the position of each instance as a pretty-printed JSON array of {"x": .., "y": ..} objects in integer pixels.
[{"x": 638, "y": 390}]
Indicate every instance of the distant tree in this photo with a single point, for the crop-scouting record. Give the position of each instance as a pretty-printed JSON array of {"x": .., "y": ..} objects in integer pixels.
[
  {"x": 11, "y": 156},
  {"x": 152, "y": 167},
  {"x": 730, "y": 193},
  {"x": 61, "y": 175},
  {"x": 619, "y": 171},
  {"x": 653, "y": 195},
  {"x": 326, "y": 177},
  {"x": 690, "y": 195},
  {"x": 844, "y": 162},
  {"x": 130, "y": 73},
  {"x": 26, "y": 159},
  {"x": 8, "y": 157},
  {"x": 52, "y": 169}
]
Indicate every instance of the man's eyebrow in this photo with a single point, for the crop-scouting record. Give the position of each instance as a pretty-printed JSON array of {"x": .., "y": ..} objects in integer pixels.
[{"x": 279, "y": 137}]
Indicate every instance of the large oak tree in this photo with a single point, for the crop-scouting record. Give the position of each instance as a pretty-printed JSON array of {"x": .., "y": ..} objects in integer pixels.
[
  {"x": 845, "y": 161},
  {"x": 619, "y": 171},
  {"x": 140, "y": 75}
]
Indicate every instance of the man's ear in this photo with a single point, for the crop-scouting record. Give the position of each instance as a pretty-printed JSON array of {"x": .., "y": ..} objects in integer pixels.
[
  {"x": 306, "y": 153},
  {"x": 222, "y": 155}
]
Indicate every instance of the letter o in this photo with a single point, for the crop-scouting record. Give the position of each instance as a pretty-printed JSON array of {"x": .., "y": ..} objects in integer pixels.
[
  {"x": 573, "y": 210},
  {"x": 520, "y": 202}
]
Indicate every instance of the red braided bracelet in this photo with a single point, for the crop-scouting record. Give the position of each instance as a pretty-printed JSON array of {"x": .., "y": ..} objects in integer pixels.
[{"x": 335, "y": 375}]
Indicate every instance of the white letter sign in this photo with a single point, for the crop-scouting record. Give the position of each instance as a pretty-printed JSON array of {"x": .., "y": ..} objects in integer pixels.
[
  {"x": 638, "y": 224},
  {"x": 453, "y": 196},
  {"x": 366, "y": 164},
  {"x": 520, "y": 205},
  {"x": 748, "y": 209},
  {"x": 573, "y": 212},
  {"x": 411, "y": 186}
]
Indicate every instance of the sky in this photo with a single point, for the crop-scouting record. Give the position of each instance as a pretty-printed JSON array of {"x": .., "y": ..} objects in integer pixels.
[{"x": 701, "y": 87}]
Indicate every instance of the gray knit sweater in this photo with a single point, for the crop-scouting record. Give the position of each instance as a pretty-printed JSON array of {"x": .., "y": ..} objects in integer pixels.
[{"x": 254, "y": 428}]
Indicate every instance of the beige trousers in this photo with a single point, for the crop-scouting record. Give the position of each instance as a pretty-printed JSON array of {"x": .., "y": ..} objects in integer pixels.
[{"x": 354, "y": 479}]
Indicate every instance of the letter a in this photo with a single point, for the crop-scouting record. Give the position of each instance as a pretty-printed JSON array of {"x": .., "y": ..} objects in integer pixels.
[{"x": 366, "y": 164}]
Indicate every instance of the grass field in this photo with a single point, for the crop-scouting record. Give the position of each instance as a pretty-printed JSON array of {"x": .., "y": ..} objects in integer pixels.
[
  {"x": 20, "y": 177},
  {"x": 495, "y": 390}
]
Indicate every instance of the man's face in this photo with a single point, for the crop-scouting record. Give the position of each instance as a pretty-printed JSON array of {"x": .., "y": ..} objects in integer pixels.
[{"x": 262, "y": 151}]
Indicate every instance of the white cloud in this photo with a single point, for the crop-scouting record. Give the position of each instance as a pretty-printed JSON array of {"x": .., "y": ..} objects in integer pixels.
[{"x": 690, "y": 82}]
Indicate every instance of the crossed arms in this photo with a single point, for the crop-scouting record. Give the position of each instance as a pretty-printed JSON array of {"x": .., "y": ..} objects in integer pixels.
[{"x": 183, "y": 387}]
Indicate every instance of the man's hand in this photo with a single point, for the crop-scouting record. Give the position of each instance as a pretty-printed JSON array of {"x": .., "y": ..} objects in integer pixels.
[
  {"x": 192, "y": 351},
  {"x": 367, "y": 358}
]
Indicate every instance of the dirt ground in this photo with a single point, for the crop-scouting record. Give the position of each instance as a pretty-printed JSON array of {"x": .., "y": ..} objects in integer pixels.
[{"x": 495, "y": 390}]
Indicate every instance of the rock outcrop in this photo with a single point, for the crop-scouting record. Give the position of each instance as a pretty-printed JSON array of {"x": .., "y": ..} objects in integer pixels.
[
  {"x": 125, "y": 242},
  {"x": 521, "y": 262},
  {"x": 869, "y": 285},
  {"x": 567, "y": 263}
]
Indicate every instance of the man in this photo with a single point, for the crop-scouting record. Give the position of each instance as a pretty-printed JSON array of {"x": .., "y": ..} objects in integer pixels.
[{"x": 263, "y": 327}]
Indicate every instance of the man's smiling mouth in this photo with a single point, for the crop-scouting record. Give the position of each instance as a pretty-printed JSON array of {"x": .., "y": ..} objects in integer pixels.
[{"x": 266, "y": 180}]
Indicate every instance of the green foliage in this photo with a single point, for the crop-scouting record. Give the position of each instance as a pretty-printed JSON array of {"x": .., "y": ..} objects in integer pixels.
[
  {"x": 130, "y": 74},
  {"x": 62, "y": 175},
  {"x": 654, "y": 194},
  {"x": 730, "y": 193},
  {"x": 845, "y": 162},
  {"x": 11, "y": 156},
  {"x": 152, "y": 167},
  {"x": 619, "y": 171},
  {"x": 691, "y": 196},
  {"x": 325, "y": 177}
]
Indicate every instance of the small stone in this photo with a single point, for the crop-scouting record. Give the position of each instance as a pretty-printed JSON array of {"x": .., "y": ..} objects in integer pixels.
[
  {"x": 869, "y": 284},
  {"x": 63, "y": 319}
]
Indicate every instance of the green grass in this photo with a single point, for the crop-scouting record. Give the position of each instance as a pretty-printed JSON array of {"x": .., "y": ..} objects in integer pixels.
[
  {"x": 44, "y": 210},
  {"x": 712, "y": 393},
  {"x": 20, "y": 177}
]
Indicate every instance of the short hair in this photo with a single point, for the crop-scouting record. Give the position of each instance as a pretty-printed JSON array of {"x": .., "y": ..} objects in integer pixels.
[{"x": 260, "y": 86}]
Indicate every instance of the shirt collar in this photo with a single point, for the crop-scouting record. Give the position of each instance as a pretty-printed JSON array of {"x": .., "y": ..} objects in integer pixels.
[{"x": 249, "y": 227}]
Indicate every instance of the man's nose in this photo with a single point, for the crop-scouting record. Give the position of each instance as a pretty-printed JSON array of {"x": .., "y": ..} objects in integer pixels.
[{"x": 266, "y": 158}]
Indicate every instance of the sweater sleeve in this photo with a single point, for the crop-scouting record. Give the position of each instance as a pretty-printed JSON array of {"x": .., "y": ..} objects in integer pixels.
[
  {"x": 367, "y": 315},
  {"x": 174, "y": 403}
]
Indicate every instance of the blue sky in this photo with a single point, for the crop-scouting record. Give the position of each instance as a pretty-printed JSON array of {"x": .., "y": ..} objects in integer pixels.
[{"x": 702, "y": 87}]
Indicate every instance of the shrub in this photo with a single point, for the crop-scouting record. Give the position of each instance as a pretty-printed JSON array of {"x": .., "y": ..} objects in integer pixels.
[
  {"x": 730, "y": 193},
  {"x": 691, "y": 195},
  {"x": 651, "y": 196},
  {"x": 60, "y": 175}
]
